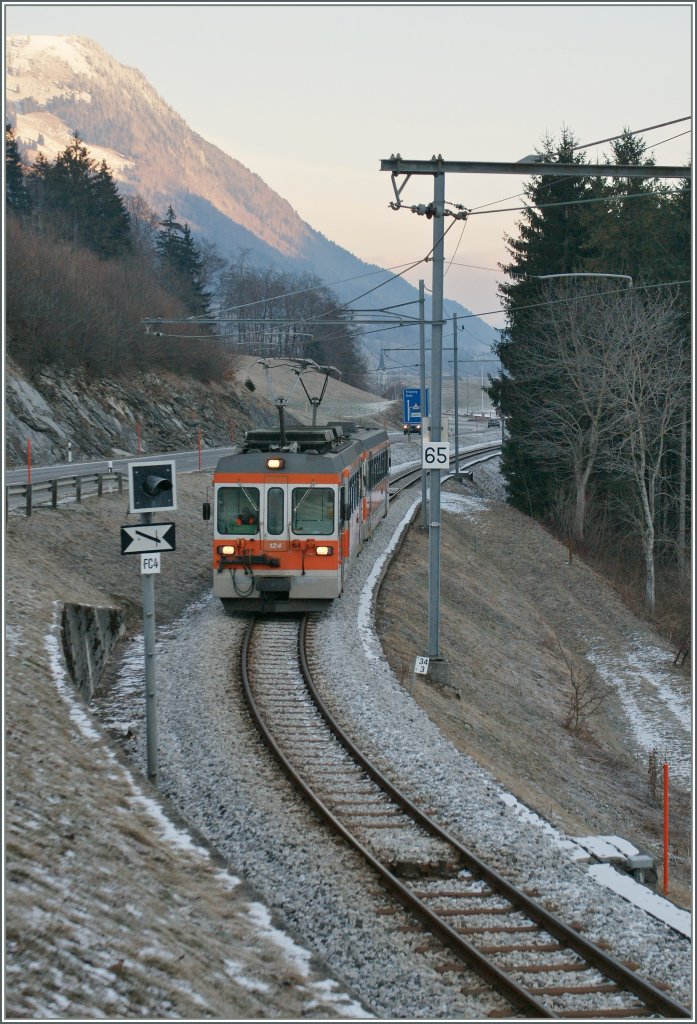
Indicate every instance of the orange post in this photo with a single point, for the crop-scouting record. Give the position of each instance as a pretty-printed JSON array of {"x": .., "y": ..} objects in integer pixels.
[
  {"x": 28, "y": 460},
  {"x": 665, "y": 828}
]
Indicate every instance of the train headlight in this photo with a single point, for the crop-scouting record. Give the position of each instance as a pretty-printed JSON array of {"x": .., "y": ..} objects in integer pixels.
[
  {"x": 226, "y": 549},
  {"x": 275, "y": 463},
  {"x": 324, "y": 549}
]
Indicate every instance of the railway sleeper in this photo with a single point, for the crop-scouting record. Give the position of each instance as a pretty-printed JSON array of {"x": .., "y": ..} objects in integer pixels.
[
  {"x": 575, "y": 990},
  {"x": 445, "y": 894},
  {"x": 472, "y": 911},
  {"x": 409, "y": 869},
  {"x": 542, "y": 947},
  {"x": 610, "y": 1013},
  {"x": 561, "y": 968}
]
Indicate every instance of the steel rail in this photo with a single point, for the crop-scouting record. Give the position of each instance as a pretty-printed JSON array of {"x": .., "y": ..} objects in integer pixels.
[
  {"x": 611, "y": 968},
  {"x": 511, "y": 990},
  {"x": 471, "y": 457},
  {"x": 603, "y": 961}
]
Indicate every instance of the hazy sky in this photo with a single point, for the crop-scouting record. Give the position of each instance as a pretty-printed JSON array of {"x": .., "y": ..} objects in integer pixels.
[{"x": 312, "y": 96}]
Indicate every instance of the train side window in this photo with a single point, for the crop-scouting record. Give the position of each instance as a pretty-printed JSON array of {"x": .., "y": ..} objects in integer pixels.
[
  {"x": 274, "y": 511},
  {"x": 238, "y": 510},
  {"x": 313, "y": 510}
]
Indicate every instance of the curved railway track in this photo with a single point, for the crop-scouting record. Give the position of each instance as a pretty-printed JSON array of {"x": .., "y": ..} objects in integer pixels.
[
  {"x": 467, "y": 458},
  {"x": 522, "y": 953}
]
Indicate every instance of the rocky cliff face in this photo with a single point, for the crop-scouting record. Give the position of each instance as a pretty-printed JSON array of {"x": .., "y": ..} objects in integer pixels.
[{"x": 102, "y": 418}]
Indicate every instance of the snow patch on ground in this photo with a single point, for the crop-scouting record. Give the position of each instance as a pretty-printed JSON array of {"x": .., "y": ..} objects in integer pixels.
[{"x": 659, "y": 716}]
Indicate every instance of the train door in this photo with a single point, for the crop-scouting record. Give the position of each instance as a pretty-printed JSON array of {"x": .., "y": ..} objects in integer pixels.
[
  {"x": 352, "y": 523},
  {"x": 355, "y": 531},
  {"x": 275, "y": 504}
]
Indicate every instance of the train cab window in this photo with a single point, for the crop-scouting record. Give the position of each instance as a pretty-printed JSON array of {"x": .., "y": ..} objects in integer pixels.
[
  {"x": 313, "y": 510},
  {"x": 238, "y": 510},
  {"x": 274, "y": 511}
]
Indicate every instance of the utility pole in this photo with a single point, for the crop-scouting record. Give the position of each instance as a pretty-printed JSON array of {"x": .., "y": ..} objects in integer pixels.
[
  {"x": 438, "y": 167},
  {"x": 455, "y": 396},
  {"x": 436, "y": 408},
  {"x": 422, "y": 382}
]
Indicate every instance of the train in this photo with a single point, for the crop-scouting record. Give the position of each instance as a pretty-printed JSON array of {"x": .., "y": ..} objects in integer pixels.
[{"x": 292, "y": 510}]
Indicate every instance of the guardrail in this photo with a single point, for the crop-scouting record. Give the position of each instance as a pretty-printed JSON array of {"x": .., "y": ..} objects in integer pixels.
[{"x": 50, "y": 492}]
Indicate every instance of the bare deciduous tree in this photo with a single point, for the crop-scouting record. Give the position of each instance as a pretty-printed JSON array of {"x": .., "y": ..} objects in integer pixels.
[
  {"x": 651, "y": 392},
  {"x": 568, "y": 401},
  {"x": 586, "y": 696}
]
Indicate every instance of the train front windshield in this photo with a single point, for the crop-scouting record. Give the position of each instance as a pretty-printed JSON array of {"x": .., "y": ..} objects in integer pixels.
[
  {"x": 313, "y": 511},
  {"x": 238, "y": 510},
  {"x": 244, "y": 510}
]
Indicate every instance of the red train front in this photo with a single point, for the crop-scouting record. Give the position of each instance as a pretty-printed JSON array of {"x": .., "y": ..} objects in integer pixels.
[{"x": 292, "y": 510}]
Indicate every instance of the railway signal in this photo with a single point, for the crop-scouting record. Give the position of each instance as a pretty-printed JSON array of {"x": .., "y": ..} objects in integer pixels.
[{"x": 152, "y": 486}]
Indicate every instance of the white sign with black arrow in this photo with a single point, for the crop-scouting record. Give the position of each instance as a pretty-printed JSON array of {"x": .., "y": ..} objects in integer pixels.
[{"x": 147, "y": 538}]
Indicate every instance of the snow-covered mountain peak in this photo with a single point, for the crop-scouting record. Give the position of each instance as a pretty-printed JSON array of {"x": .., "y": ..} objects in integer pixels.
[{"x": 42, "y": 67}]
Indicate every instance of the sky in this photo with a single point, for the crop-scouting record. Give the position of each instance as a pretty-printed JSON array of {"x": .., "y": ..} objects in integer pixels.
[{"x": 312, "y": 97}]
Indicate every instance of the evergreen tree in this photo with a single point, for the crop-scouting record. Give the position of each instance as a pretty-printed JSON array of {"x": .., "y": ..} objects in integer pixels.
[
  {"x": 69, "y": 189},
  {"x": 81, "y": 201},
  {"x": 563, "y": 353},
  {"x": 181, "y": 263},
  {"x": 551, "y": 240},
  {"x": 109, "y": 225},
  {"x": 16, "y": 192}
]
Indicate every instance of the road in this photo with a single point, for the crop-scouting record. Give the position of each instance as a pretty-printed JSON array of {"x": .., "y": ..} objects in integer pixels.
[{"x": 186, "y": 462}]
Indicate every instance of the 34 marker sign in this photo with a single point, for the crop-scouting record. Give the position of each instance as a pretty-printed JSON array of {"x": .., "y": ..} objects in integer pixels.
[{"x": 435, "y": 455}]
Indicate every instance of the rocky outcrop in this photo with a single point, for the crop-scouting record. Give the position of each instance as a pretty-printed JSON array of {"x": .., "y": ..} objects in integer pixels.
[{"x": 104, "y": 418}]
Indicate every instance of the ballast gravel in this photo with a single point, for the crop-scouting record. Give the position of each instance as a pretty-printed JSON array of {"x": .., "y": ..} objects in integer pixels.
[{"x": 216, "y": 771}]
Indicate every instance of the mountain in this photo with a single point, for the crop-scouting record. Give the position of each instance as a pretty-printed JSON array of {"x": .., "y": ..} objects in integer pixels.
[{"x": 60, "y": 84}]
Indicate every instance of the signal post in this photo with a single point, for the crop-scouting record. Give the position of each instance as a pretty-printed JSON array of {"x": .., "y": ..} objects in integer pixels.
[{"x": 152, "y": 487}]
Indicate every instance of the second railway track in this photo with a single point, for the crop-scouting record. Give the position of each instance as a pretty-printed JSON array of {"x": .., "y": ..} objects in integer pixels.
[{"x": 528, "y": 961}]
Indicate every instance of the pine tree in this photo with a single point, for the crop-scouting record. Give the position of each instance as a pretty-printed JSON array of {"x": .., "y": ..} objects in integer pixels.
[
  {"x": 109, "y": 224},
  {"x": 551, "y": 240},
  {"x": 181, "y": 263},
  {"x": 69, "y": 189},
  {"x": 82, "y": 201},
  {"x": 16, "y": 192}
]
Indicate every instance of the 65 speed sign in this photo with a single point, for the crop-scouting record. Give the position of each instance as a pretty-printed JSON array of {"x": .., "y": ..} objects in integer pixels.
[{"x": 435, "y": 454}]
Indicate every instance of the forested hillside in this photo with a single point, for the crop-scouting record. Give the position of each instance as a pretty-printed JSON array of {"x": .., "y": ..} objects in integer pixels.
[
  {"x": 89, "y": 267},
  {"x": 56, "y": 85},
  {"x": 596, "y": 374}
]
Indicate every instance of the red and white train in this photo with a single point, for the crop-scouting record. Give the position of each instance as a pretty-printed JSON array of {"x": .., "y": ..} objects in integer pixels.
[{"x": 291, "y": 512}]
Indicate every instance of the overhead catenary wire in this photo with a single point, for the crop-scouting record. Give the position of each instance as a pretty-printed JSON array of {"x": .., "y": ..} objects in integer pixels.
[
  {"x": 309, "y": 288},
  {"x": 587, "y": 145},
  {"x": 570, "y": 202},
  {"x": 317, "y": 320},
  {"x": 637, "y": 131},
  {"x": 320, "y": 319},
  {"x": 571, "y": 298}
]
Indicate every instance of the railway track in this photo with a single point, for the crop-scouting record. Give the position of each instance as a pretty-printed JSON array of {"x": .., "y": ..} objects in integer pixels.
[
  {"x": 467, "y": 459},
  {"x": 525, "y": 957}
]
